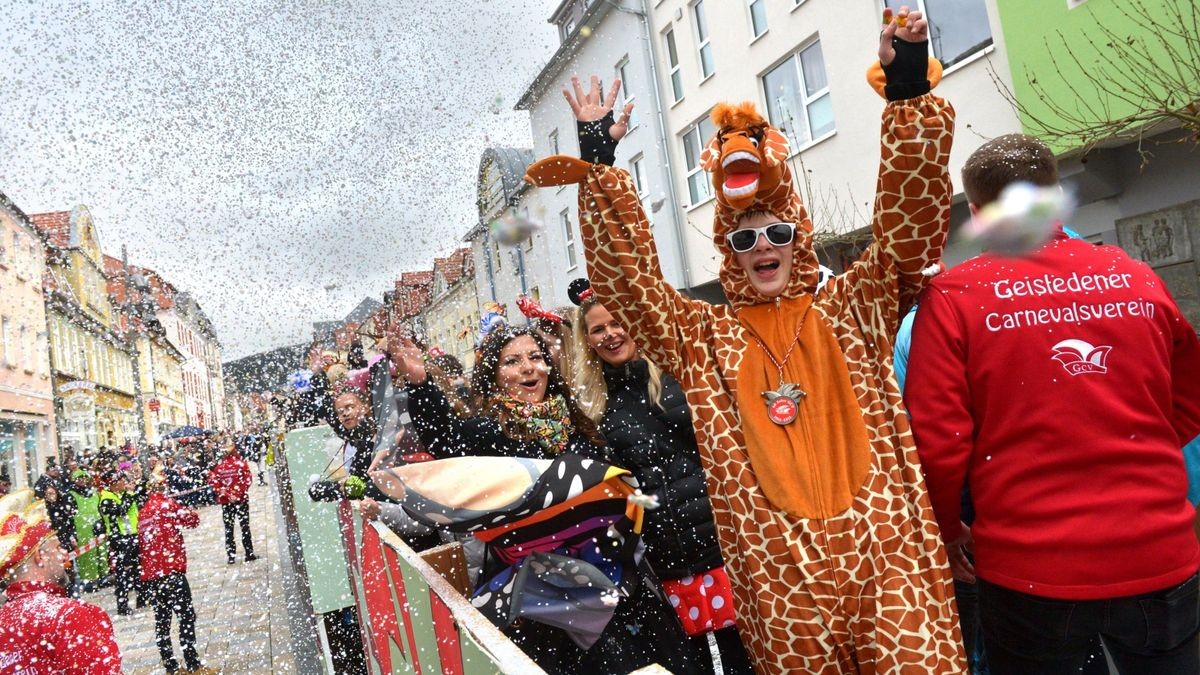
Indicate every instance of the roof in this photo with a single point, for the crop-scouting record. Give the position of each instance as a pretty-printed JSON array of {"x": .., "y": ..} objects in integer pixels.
[
  {"x": 266, "y": 371},
  {"x": 55, "y": 225},
  {"x": 365, "y": 309},
  {"x": 413, "y": 292},
  {"x": 21, "y": 217},
  {"x": 453, "y": 267}
]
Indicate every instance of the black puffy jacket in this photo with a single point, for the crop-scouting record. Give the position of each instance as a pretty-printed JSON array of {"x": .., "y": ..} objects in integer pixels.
[{"x": 659, "y": 446}]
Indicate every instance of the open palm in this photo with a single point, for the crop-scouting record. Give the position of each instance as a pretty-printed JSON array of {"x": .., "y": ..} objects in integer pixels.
[{"x": 589, "y": 108}]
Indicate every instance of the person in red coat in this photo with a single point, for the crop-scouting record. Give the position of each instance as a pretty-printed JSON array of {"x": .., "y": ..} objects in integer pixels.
[
  {"x": 230, "y": 480},
  {"x": 41, "y": 629},
  {"x": 1061, "y": 385},
  {"x": 164, "y": 574}
]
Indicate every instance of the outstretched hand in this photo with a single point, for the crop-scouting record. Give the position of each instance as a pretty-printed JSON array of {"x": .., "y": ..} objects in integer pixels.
[
  {"x": 906, "y": 25},
  {"x": 589, "y": 108},
  {"x": 957, "y": 555}
]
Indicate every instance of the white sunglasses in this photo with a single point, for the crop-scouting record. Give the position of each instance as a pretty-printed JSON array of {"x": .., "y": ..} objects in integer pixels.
[{"x": 778, "y": 234}]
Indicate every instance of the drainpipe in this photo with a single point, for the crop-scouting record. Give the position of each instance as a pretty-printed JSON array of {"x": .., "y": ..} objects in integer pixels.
[{"x": 650, "y": 52}]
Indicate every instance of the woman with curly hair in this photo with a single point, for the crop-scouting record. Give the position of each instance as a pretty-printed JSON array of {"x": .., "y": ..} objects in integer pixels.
[{"x": 526, "y": 410}]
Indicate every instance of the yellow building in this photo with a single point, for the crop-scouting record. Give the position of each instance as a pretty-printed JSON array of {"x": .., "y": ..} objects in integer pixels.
[{"x": 91, "y": 363}]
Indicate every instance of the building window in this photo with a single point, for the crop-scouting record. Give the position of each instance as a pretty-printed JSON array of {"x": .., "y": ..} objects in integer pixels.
[
  {"x": 626, "y": 96},
  {"x": 569, "y": 233},
  {"x": 704, "y": 46},
  {"x": 798, "y": 100},
  {"x": 673, "y": 61},
  {"x": 957, "y": 28},
  {"x": 7, "y": 356},
  {"x": 554, "y": 142},
  {"x": 639, "y": 178},
  {"x": 699, "y": 183},
  {"x": 758, "y": 16}
]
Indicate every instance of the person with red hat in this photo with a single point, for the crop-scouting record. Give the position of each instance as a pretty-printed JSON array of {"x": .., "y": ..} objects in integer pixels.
[
  {"x": 40, "y": 626},
  {"x": 230, "y": 480}
]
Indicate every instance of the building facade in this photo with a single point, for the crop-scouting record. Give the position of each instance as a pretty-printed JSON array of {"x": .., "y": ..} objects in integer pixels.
[
  {"x": 92, "y": 365},
  {"x": 610, "y": 40},
  {"x": 502, "y": 272},
  {"x": 27, "y": 419},
  {"x": 803, "y": 63},
  {"x": 452, "y": 315},
  {"x": 1149, "y": 204},
  {"x": 188, "y": 328}
]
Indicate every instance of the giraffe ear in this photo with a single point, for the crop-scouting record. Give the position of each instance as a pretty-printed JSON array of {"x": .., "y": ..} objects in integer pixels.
[
  {"x": 710, "y": 157},
  {"x": 775, "y": 146}
]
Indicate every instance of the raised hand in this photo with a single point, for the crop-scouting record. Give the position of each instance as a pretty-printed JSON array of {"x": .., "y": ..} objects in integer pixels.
[
  {"x": 404, "y": 355},
  {"x": 589, "y": 108},
  {"x": 906, "y": 25}
]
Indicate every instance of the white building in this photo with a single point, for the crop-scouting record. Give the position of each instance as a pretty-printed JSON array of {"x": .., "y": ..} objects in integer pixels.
[
  {"x": 610, "y": 40},
  {"x": 803, "y": 62},
  {"x": 504, "y": 272},
  {"x": 189, "y": 329}
]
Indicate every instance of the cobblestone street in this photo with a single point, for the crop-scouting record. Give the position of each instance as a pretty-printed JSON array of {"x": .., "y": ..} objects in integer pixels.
[{"x": 241, "y": 618}]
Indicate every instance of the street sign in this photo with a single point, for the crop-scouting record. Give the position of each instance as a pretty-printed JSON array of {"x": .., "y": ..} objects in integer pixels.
[{"x": 154, "y": 405}]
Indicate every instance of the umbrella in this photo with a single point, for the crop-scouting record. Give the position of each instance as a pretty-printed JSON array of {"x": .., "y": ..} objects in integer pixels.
[{"x": 184, "y": 432}]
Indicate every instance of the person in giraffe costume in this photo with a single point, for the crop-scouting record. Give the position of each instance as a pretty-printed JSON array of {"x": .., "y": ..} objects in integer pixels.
[{"x": 832, "y": 549}]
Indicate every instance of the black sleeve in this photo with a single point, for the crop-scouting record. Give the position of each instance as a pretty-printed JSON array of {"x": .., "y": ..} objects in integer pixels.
[
  {"x": 111, "y": 508},
  {"x": 596, "y": 145},
  {"x": 322, "y": 398},
  {"x": 908, "y": 73},
  {"x": 445, "y": 434}
]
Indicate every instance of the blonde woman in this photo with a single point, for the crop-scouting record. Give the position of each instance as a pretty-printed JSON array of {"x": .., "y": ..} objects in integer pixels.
[{"x": 646, "y": 421}]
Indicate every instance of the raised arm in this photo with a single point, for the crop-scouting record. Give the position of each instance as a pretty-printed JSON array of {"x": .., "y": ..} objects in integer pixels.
[
  {"x": 622, "y": 259},
  {"x": 913, "y": 190}
]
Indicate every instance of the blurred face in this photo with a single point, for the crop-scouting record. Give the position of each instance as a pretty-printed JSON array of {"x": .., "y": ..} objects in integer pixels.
[
  {"x": 523, "y": 372},
  {"x": 769, "y": 267},
  {"x": 82, "y": 482},
  {"x": 607, "y": 337},
  {"x": 350, "y": 410},
  {"x": 52, "y": 558}
]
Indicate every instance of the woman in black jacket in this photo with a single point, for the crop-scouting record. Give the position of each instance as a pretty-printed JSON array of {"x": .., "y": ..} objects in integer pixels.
[
  {"x": 526, "y": 410},
  {"x": 645, "y": 418}
]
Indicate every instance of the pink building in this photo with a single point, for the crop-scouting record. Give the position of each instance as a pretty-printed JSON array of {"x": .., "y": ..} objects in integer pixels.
[{"x": 27, "y": 423}]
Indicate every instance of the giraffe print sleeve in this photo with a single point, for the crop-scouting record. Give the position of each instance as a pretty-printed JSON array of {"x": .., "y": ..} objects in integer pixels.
[
  {"x": 623, "y": 266},
  {"x": 911, "y": 215}
]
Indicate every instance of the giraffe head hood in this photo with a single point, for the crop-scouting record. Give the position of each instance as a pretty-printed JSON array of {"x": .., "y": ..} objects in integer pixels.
[{"x": 747, "y": 158}]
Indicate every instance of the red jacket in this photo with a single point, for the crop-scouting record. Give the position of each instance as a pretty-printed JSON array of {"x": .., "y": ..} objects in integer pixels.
[
  {"x": 1062, "y": 386},
  {"x": 160, "y": 538},
  {"x": 230, "y": 479},
  {"x": 44, "y": 631}
]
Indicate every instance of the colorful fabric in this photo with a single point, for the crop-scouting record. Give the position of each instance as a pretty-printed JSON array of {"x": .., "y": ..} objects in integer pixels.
[
  {"x": 704, "y": 602},
  {"x": 548, "y": 422},
  {"x": 565, "y": 529}
]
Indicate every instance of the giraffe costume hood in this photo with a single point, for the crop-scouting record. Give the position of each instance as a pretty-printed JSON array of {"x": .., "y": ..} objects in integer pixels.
[
  {"x": 747, "y": 157},
  {"x": 831, "y": 547}
]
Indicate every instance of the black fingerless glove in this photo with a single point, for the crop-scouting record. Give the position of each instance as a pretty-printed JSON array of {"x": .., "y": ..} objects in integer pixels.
[
  {"x": 596, "y": 145},
  {"x": 908, "y": 73}
]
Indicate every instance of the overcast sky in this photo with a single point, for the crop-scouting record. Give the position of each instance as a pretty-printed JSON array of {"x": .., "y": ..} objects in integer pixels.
[{"x": 255, "y": 153}]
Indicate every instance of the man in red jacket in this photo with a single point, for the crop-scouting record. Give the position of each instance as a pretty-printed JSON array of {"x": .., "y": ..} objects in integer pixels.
[
  {"x": 164, "y": 574},
  {"x": 41, "y": 629},
  {"x": 1061, "y": 386},
  {"x": 230, "y": 480}
]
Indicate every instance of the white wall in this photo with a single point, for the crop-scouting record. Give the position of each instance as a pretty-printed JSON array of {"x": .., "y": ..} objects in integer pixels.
[
  {"x": 617, "y": 38},
  {"x": 845, "y": 163}
]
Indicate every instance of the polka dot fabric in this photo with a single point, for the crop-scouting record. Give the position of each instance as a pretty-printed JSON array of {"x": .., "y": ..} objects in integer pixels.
[{"x": 704, "y": 602}]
